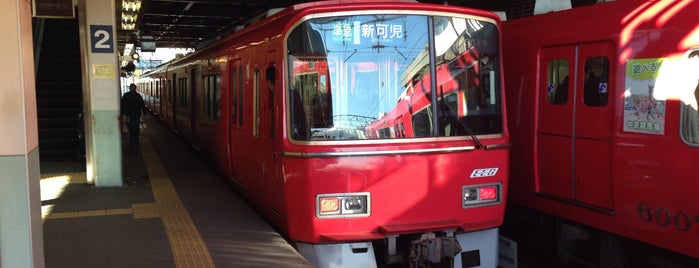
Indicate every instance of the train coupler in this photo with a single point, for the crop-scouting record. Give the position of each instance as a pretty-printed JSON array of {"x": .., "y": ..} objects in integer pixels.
[{"x": 430, "y": 249}]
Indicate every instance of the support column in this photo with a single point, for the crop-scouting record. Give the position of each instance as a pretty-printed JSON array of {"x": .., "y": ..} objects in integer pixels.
[
  {"x": 21, "y": 233},
  {"x": 101, "y": 92}
]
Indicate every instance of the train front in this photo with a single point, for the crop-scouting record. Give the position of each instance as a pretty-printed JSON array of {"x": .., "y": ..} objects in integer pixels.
[{"x": 395, "y": 147}]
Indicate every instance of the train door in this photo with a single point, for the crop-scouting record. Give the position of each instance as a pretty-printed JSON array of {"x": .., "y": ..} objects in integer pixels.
[
  {"x": 575, "y": 124},
  {"x": 271, "y": 161},
  {"x": 235, "y": 121}
]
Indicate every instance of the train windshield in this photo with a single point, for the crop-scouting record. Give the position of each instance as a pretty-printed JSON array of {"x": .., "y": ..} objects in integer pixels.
[{"x": 389, "y": 76}]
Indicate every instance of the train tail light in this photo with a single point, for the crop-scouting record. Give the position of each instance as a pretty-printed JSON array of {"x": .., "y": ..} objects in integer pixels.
[
  {"x": 343, "y": 205},
  {"x": 480, "y": 195}
]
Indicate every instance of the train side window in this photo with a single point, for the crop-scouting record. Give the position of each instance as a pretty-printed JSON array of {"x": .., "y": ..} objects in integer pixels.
[
  {"x": 690, "y": 102},
  {"x": 240, "y": 96},
  {"x": 212, "y": 96},
  {"x": 234, "y": 94},
  {"x": 256, "y": 104},
  {"x": 182, "y": 92},
  {"x": 217, "y": 97},
  {"x": 207, "y": 93},
  {"x": 557, "y": 82},
  {"x": 596, "y": 91},
  {"x": 170, "y": 91}
]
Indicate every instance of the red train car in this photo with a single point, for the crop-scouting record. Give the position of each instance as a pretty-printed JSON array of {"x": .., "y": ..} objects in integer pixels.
[
  {"x": 281, "y": 110},
  {"x": 603, "y": 118}
]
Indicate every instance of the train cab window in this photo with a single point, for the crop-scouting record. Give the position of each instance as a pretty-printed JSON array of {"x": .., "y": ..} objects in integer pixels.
[
  {"x": 359, "y": 77},
  {"x": 467, "y": 63},
  {"x": 690, "y": 101},
  {"x": 557, "y": 84},
  {"x": 596, "y": 83}
]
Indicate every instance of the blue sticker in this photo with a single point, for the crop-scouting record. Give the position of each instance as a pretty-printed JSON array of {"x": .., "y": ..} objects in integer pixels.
[{"x": 602, "y": 88}]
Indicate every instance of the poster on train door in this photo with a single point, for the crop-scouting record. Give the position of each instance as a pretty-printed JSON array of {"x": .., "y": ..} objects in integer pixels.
[{"x": 644, "y": 110}]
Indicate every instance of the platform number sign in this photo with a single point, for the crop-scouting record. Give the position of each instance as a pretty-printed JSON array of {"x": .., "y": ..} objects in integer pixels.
[{"x": 101, "y": 39}]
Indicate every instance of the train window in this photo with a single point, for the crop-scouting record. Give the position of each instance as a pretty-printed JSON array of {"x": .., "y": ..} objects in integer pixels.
[
  {"x": 690, "y": 101},
  {"x": 371, "y": 77},
  {"x": 240, "y": 96},
  {"x": 170, "y": 91},
  {"x": 212, "y": 96},
  {"x": 256, "y": 104},
  {"x": 206, "y": 98},
  {"x": 234, "y": 94},
  {"x": 596, "y": 91},
  {"x": 217, "y": 97},
  {"x": 557, "y": 82},
  {"x": 182, "y": 92},
  {"x": 466, "y": 51}
]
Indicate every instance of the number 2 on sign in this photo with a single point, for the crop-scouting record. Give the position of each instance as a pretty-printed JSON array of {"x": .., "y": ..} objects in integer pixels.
[{"x": 103, "y": 42}]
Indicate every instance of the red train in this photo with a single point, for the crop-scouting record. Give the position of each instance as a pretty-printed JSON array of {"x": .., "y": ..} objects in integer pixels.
[
  {"x": 281, "y": 109},
  {"x": 602, "y": 104}
]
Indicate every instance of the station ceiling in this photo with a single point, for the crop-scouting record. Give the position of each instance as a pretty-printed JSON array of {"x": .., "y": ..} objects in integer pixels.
[{"x": 194, "y": 23}]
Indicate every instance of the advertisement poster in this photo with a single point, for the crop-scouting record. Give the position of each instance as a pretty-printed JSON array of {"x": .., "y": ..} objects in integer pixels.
[{"x": 644, "y": 112}]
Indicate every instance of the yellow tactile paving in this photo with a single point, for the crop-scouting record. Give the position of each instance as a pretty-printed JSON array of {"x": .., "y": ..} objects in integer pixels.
[
  {"x": 144, "y": 211},
  {"x": 188, "y": 247}
]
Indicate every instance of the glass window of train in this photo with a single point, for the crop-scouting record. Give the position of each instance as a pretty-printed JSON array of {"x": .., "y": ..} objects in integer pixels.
[
  {"x": 557, "y": 82},
  {"x": 185, "y": 93},
  {"x": 234, "y": 95},
  {"x": 468, "y": 99},
  {"x": 210, "y": 96},
  {"x": 596, "y": 91},
  {"x": 205, "y": 98},
  {"x": 178, "y": 92},
  {"x": 240, "y": 96},
  {"x": 171, "y": 91},
  {"x": 256, "y": 104},
  {"x": 175, "y": 92},
  {"x": 217, "y": 97},
  {"x": 182, "y": 93},
  {"x": 690, "y": 101}
]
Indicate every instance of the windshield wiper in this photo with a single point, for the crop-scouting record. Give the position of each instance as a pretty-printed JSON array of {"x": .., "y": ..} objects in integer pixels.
[{"x": 470, "y": 133}]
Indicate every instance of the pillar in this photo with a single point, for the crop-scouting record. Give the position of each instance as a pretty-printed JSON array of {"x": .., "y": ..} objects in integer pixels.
[
  {"x": 101, "y": 92},
  {"x": 21, "y": 233}
]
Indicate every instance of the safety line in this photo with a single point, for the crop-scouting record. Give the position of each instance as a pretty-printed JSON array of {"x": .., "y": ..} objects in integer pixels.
[{"x": 187, "y": 245}]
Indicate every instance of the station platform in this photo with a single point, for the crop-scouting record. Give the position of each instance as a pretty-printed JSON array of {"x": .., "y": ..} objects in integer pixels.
[{"x": 173, "y": 211}]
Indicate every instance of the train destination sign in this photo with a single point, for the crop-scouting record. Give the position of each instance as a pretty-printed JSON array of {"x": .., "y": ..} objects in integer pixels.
[{"x": 53, "y": 9}]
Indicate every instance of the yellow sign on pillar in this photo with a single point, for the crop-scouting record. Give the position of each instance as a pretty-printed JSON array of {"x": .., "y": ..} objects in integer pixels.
[{"x": 103, "y": 71}]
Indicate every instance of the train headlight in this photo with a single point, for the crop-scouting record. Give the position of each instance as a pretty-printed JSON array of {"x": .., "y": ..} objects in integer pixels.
[
  {"x": 343, "y": 205},
  {"x": 480, "y": 195}
]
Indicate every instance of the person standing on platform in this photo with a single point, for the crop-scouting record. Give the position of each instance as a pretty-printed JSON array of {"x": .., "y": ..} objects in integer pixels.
[{"x": 132, "y": 106}]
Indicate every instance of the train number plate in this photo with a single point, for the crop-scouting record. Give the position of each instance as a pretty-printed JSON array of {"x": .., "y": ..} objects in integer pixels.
[{"x": 484, "y": 172}]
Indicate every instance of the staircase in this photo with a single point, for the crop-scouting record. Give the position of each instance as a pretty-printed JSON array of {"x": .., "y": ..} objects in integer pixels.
[{"x": 59, "y": 91}]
